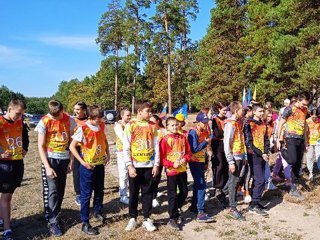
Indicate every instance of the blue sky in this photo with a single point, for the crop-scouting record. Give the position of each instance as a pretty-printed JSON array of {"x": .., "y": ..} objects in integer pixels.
[{"x": 44, "y": 42}]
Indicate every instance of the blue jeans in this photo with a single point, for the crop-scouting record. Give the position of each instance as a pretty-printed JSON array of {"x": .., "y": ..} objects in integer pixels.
[
  {"x": 199, "y": 185},
  {"x": 91, "y": 180}
]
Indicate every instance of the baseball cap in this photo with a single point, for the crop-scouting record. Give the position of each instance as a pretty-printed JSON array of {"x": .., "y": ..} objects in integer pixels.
[
  {"x": 180, "y": 117},
  {"x": 202, "y": 117}
]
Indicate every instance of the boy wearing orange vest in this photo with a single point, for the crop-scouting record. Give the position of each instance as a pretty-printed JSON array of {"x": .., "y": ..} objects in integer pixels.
[
  {"x": 234, "y": 148},
  {"x": 174, "y": 154},
  {"x": 14, "y": 143},
  {"x": 141, "y": 155},
  {"x": 257, "y": 141},
  {"x": 125, "y": 115},
  {"x": 54, "y": 134},
  {"x": 198, "y": 139},
  {"x": 313, "y": 141},
  {"x": 95, "y": 155},
  {"x": 80, "y": 116},
  {"x": 296, "y": 136}
]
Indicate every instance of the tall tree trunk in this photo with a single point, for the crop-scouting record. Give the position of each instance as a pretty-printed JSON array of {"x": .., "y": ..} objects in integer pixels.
[
  {"x": 136, "y": 50},
  {"x": 116, "y": 82},
  {"x": 168, "y": 63}
]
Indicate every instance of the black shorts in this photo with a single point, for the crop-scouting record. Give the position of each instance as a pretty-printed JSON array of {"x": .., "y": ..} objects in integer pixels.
[{"x": 11, "y": 174}]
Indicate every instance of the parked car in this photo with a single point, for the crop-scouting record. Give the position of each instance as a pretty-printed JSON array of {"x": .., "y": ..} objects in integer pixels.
[
  {"x": 34, "y": 120},
  {"x": 110, "y": 116}
]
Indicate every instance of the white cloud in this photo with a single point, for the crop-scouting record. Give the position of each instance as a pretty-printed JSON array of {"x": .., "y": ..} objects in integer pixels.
[
  {"x": 75, "y": 42},
  {"x": 16, "y": 57}
]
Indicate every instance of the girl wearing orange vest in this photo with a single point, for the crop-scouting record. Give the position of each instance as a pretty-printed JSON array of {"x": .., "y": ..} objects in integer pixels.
[
  {"x": 95, "y": 155},
  {"x": 174, "y": 154},
  {"x": 54, "y": 134},
  {"x": 313, "y": 141},
  {"x": 80, "y": 116},
  {"x": 198, "y": 139},
  {"x": 13, "y": 147},
  {"x": 125, "y": 115}
]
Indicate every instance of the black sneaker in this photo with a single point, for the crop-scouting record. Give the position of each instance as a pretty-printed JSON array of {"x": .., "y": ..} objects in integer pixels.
[
  {"x": 193, "y": 209},
  {"x": 255, "y": 209},
  {"x": 223, "y": 200},
  {"x": 180, "y": 220},
  {"x": 100, "y": 218},
  {"x": 88, "y": 229},
  {"x": 8, "y": 235},
  {"x": 262, "y": 207},
  {"x": 55, "y": 229},
  {"x": 173, "y": 224},
  {"x": 234, "y": 213}
]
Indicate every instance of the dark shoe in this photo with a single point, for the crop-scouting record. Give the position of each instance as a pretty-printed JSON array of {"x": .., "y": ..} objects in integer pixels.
[
  {"x": 193, "y": 209},
  {"x": 255, "y": 209},
  {"x": 8, "y": 235},
  {"x": 77, "y": 200},
  {"x": 173, "y": 224},
  {"x": 55, "y": 229},
  {"x": 100, "y": 218},
  {"x": 223, "y": 200},
  {"x": 295, "y": 193},
  {"x": 236, "y": 214},
  {"x": 262, "y": 207},
  {"x": 204, "y": 218},
  {"x": 88, "y": 229},
  {"x": 1, "y": 227},
  {"x": 180, "y": 220}
]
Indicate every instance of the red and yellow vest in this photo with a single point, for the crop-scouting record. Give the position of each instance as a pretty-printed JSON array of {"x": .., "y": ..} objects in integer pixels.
[
  {"x": 11, "y": 138},
  {"x": 176, "y": 151},
  {"x": 58, "y": 133},
  {"x": 238, "y": 143},
  {"x": 119, "y": 144},
  {"x": 94, "y": 147},
  {"x": 296, "y": 121},
  {"x": 142, "y": 141},
  {"x": 313, "y": 131},
  {"x": 220, "y": 124},
  {"x": 258, "y": 133},
  {"x": 161, "y": 133},
  {"x": 201, "y": 155}
]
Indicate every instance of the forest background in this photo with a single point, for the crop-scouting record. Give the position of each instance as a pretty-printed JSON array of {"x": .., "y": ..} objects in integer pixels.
[{"x": 270, "y": 45}]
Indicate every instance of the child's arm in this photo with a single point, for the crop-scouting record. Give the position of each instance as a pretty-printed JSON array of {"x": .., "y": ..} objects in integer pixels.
[
  {"x": 127, "y": 151},
  {"x": 25, "y": 138},
  {"x": 187, "y": 155},
  {"x": 286, "y": 113},
  {"x": 43, "y": 155},
  {"x": 227, "y": 141},
  {"x": 75, "y": 153},
  {"x": 163, "y": 153},
  {"x": 193, "y": 141}
]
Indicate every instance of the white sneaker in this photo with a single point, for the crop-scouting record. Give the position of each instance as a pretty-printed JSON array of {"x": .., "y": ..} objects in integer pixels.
[
  {"x": 132, "y": 225},
  {"x": 124, "y": 200},
  {"x": 148, "y": 225},
  {"x": 270, "y": 186},
  {"x": 155, "y": 203},
  {"x": 311, "y": 177},
  {"x": 247, "y": 199},
  {"x": 207, "y": 196}
]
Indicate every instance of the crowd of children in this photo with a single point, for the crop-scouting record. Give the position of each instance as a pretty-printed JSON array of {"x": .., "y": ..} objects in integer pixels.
[{"x": 238, "y": 148}]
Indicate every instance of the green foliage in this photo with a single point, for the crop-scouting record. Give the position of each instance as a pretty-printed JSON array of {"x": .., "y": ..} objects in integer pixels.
[
  {"x": 6, "y": 95},
  {"x": 37, "y": 105}
]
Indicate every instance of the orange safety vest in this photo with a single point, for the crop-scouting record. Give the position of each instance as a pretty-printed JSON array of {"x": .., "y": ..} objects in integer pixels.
[
  {"x": 238, "y": 143},
  {"x": 258, "y": 134},
  {"x": 142, "y": 141},
  {"x": 58, "y": 133},
  {"x": 94, "y": 147},
  {"x": 201, "y": 155},
  {"x": 296, "y": 121},
  {"x": 11, "y": 138},
  {"x": 313, "y": 132},
  {"x": 177, "y": 150}
]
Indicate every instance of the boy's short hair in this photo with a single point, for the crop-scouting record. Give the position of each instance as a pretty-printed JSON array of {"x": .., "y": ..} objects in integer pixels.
[
  {"x": 304, "y": 96},
  {"x": 142, "y": 104},
  {"x": 17, "y": 103},
  {"x": 95, "y": 112},
  {"x": 55, "y": 107},
  {"x": 256, "y": 106},
  {"x": 123, "y": 111},
  {"x": 170, "y": 119},
  {"x": 268, "y": 111},
  {"x": 82, "y": 105},
  {"x": 234, "y": 106}
]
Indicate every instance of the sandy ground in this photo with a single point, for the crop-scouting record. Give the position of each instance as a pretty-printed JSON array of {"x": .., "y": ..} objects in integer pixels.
[{"x": 287, "y": 220}]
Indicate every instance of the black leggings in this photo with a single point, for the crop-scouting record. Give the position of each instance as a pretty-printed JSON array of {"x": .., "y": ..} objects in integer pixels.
[{"x": 295, "y": 148}]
